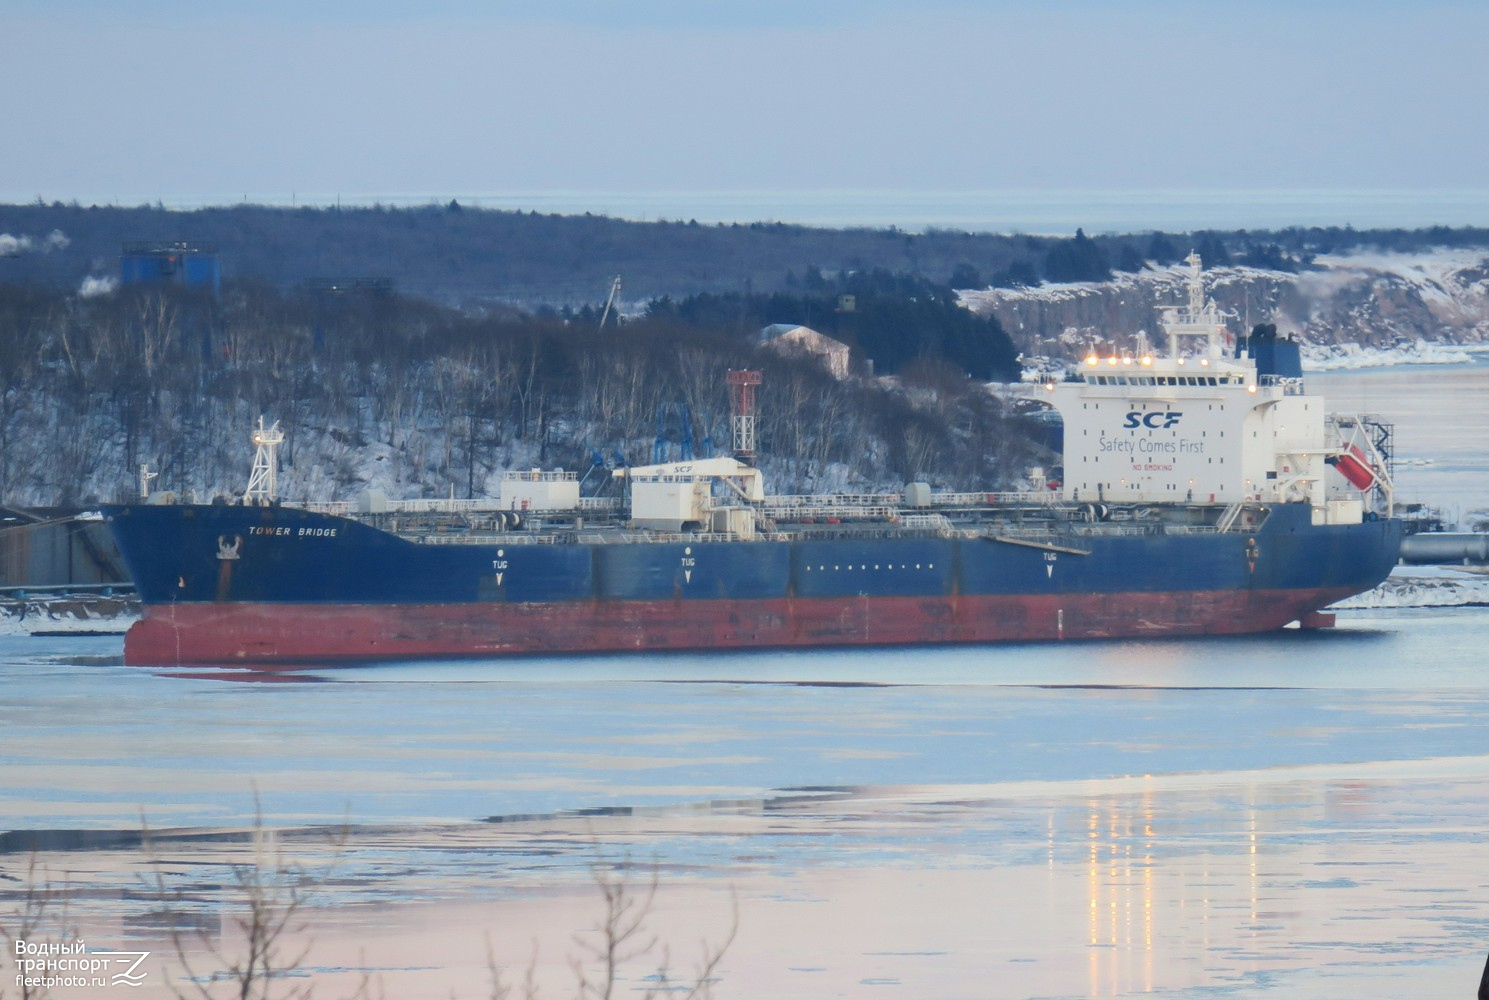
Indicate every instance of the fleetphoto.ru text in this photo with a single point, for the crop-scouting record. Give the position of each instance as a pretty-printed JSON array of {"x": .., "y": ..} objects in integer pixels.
[{"x": 51, "y": 965}]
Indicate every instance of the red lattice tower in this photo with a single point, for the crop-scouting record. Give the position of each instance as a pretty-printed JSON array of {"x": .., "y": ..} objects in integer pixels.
[{"x": 742, "y": 411}]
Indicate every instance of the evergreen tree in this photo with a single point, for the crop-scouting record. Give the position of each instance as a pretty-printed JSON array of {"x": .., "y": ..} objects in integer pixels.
[
  {"x": 1079, "y": 259},
  {"x": 1128, "y": 259},
  {"x": 1019, "y": 274},
  {"x": 1270, "y": 256},
  {"x": 1212, "y": 251},
  {"x": 1162, "y": 251},
  {"x": 966, "y": 276}
]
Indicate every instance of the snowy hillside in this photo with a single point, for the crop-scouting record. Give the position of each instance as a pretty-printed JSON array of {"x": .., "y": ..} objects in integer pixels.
[{"x": 1348, "y": 311}]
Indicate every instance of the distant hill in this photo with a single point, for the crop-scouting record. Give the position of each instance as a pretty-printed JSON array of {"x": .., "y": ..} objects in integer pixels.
[
  {"x": 469, "y": 257},
  {"x": 427, "y": 385},
  {"x": 416, "y": 399},
  {"x": 1345, "y": 301}
]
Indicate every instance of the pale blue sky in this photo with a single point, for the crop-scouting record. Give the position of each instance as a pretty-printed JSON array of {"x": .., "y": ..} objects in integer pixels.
[{"x": 209, "y": 102}]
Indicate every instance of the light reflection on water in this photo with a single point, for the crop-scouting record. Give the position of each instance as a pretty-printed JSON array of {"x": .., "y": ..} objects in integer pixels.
[{"x": 1238, "y": 815}]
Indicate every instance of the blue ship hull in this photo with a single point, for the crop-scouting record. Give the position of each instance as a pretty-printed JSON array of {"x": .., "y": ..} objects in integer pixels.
[{"x": 284, "y": 586}]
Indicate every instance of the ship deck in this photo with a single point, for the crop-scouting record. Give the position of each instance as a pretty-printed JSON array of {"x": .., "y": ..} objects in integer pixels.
[{"x": 1033, "y": 518}]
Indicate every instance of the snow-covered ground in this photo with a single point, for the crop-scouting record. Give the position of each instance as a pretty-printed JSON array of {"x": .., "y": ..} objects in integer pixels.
[
  {"x": 1337, "y": 357},
  {"x": 1426, "y": 587},
  {"x": 1453, "y": 284},
  {"x": 67, "y": 616},
  {"x": 1361, "y": 310}
]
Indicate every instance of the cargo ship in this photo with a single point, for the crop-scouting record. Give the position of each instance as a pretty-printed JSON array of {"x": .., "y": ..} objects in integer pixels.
[{"x": 1204, "y": 492}]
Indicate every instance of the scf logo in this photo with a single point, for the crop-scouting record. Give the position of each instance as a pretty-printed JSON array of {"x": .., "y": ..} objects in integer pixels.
[{"x": 1154, "y": 420}]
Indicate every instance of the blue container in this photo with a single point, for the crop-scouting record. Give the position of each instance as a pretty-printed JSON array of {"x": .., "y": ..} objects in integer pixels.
[{"x": 191, "y": 265}]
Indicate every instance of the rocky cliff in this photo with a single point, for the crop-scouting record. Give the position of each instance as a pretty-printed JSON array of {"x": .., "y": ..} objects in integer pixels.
[{"x": 1378, "y": 300}]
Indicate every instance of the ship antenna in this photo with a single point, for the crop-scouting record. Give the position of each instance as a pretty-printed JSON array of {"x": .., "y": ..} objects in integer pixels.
[
  {"x": 145, "y": 476},
  {"x": 1200, "y": 319},
  {"x": 261, "y": 483}
]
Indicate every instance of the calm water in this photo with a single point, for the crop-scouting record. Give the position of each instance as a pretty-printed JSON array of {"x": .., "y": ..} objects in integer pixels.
[{"x": 91, "y": 744}]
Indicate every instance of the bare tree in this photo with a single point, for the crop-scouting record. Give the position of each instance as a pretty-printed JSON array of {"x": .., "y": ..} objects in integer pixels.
[
  {"x": 621, "y": 940},
  {"x": 38, "y": 917},
  {"x": 265, "y": 940},
  {"x": 623, "y": 937},
  {"x": 158, "y": 320}
]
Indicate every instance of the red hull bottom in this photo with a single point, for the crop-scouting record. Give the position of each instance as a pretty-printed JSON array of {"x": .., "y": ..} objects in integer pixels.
[{"x": 302, "y": 634}]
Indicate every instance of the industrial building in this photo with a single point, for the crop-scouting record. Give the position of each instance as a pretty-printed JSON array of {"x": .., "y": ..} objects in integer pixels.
[{"x": 184, "y": 263}]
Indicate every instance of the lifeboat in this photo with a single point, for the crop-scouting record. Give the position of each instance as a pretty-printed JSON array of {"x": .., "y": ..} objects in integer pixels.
[{"x": 1354, "y": 466}]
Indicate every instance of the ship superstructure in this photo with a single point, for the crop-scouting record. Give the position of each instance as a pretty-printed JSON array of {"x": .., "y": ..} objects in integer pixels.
[{"x": 1202, "y": 422}]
